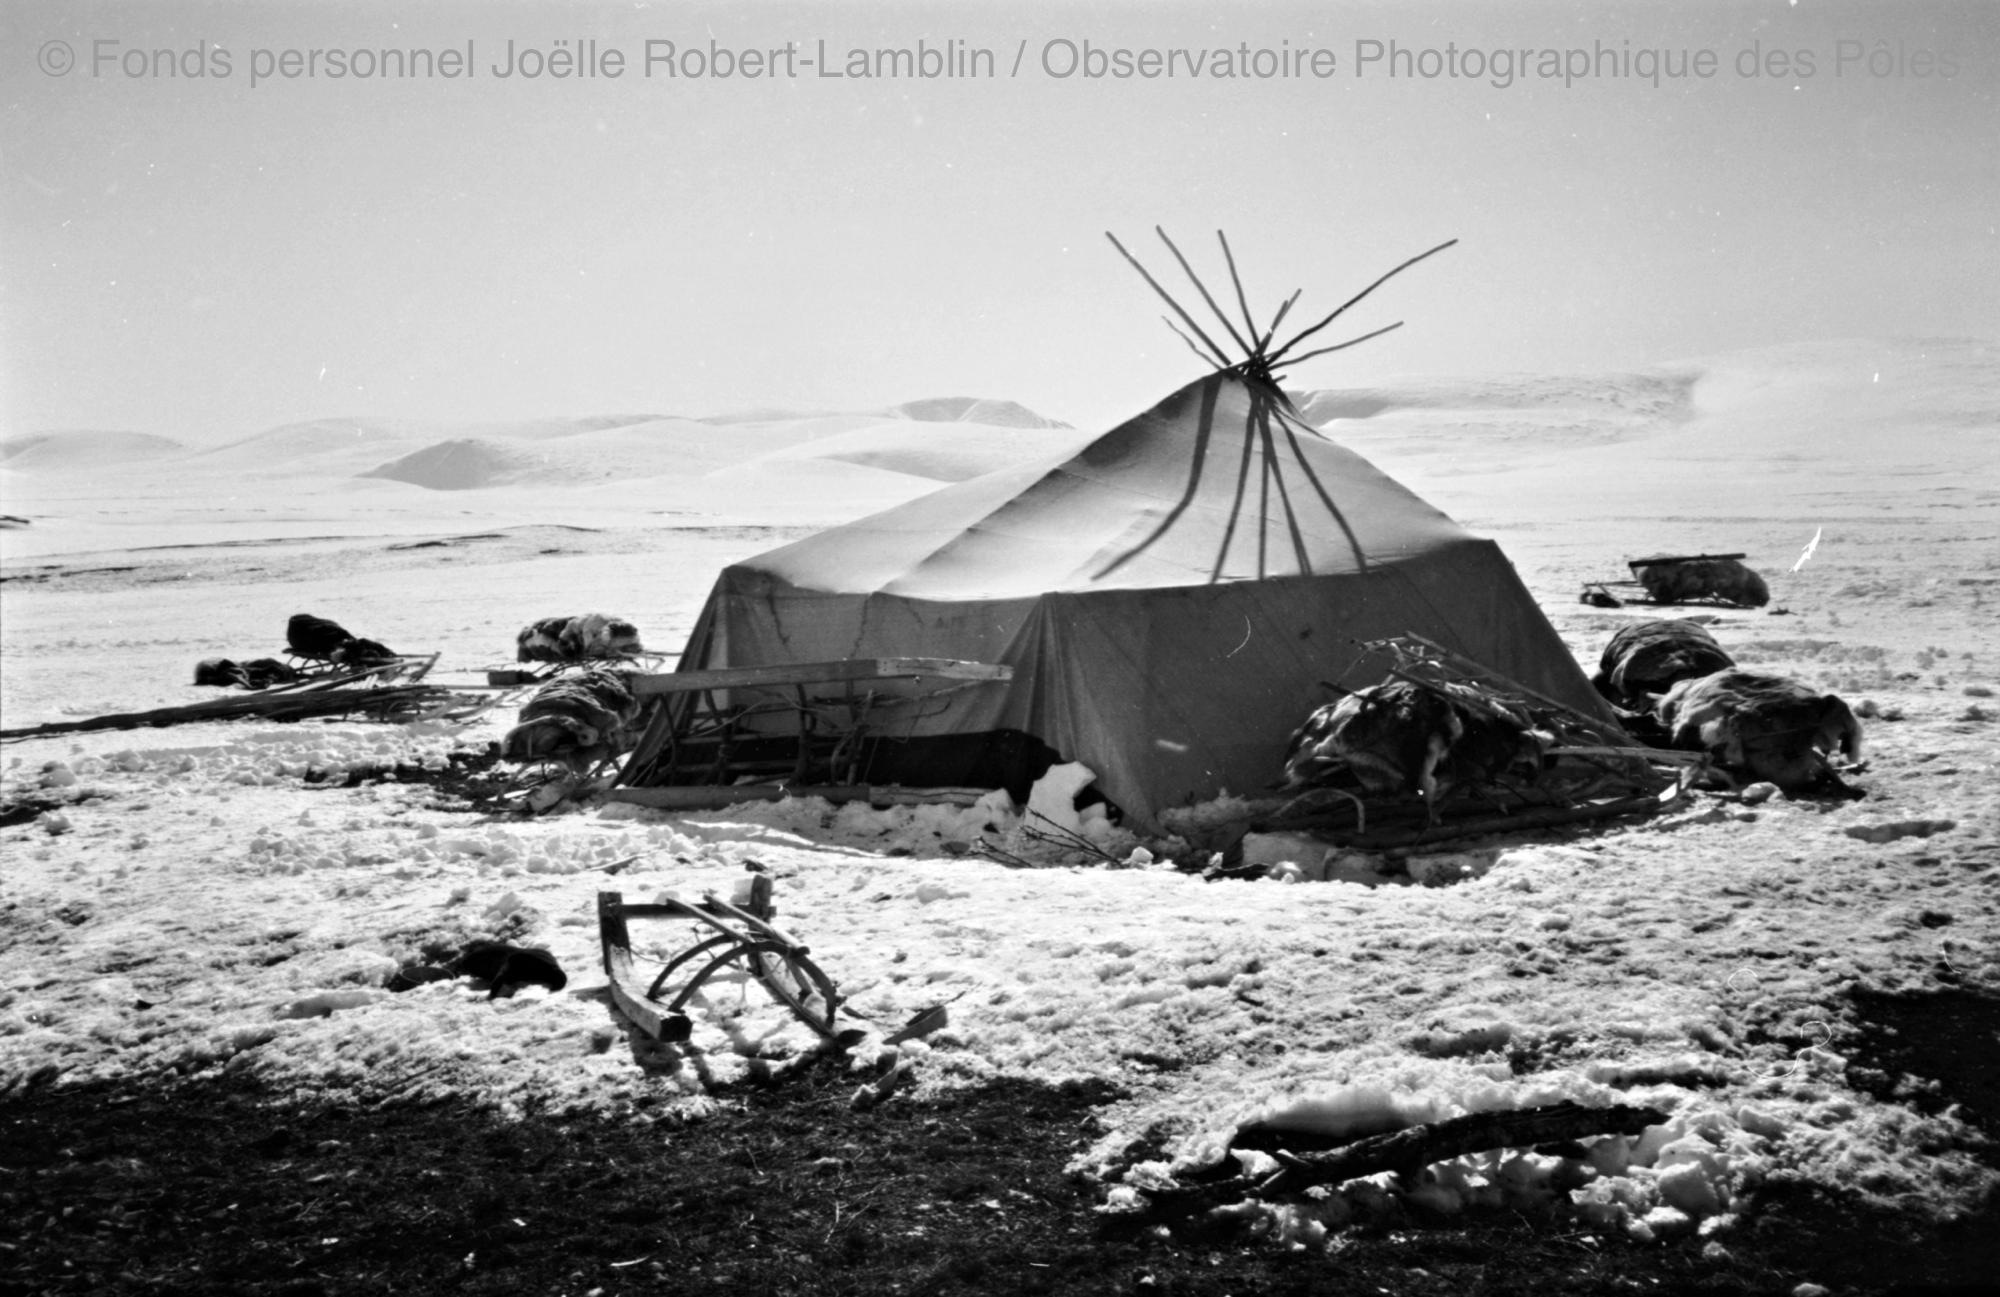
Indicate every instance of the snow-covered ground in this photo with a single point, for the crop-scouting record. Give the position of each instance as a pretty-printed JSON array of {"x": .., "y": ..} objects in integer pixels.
[{"x": 198, "y": 903}]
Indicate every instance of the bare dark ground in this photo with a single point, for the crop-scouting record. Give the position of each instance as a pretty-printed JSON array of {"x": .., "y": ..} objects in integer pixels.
[{"x": 213, "y": 1184}]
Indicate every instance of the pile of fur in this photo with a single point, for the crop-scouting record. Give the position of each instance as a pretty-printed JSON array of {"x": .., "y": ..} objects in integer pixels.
[
  {"x": 1764, "y": 728},
  {"x": 1676, "y": 687},
  {"x": 1689, "y": 580},
  {"x": 1429, "y": 739},
  {"x": 316, "y": 639},
  {"x": 259, "y": 673},
  {"x": 1648, "y": 658},
  {"x": 579, "y": 721},
  {"x": 587, "y": 637}
]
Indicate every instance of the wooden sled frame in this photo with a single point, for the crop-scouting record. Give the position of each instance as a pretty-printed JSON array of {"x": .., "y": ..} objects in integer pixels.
[
  {"x": 379, "y": 693},
  {"x": 780, "y": 963},
  {"x": 706, "y": 709},
  {"x": 319, "y": 672}
]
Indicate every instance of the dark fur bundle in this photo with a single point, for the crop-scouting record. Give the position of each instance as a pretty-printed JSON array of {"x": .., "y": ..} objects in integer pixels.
[
  {"x": 1405, "y": 737},
  {"x": 259, "y": 673},
  {"x": 1650, "y": 657},
  {"x": 578, "y": 720},
  {"x": 314, "y": 638},
  {"x": 219, "y": 673},
  {"x": 1763, "y": 728},
  {"x": 540, "y": 641},
  {"x": 358, "y": 653},
  {"x": 507, "y": 968},
  {"x": 583, "y": 638},
  {"x": 1389, "y": 737},
  {"x": 1497, "y": 740},
  {"x": 1692, "y": 580}
]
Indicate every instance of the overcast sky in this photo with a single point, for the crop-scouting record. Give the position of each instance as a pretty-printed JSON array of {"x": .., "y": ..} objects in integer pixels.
[{"x": 205, "y": 257}]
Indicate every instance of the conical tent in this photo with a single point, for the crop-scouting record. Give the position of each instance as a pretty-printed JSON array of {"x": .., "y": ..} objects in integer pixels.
[{"x": 1168, "y": 596}]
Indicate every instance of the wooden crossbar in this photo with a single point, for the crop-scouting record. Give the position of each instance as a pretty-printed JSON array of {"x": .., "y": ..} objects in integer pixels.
[
  {"x": 807, "y": 673},
  {"x": 1637, "y": 563}
]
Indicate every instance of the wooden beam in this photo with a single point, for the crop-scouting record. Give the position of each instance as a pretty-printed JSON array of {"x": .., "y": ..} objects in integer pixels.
[
  {"x": 710, "y": 797},
  {"x": 807, "y": 673},
  {"x": 1409, "y": 1150},
  {"x": 268, "y": 705},
  {"x": 1636, "y": 563},
  {"x": 1217, "y": 355},
  {"x": 1279, "y": 355},
  {"x": 627, "y": 984}
]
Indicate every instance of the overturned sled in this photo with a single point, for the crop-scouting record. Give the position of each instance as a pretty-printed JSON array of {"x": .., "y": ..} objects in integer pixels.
[{"x": 740, "y": 935}]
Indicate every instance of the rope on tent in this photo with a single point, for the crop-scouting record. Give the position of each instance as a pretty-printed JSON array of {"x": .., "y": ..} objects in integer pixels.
[{"x": 1203, "y": 426}]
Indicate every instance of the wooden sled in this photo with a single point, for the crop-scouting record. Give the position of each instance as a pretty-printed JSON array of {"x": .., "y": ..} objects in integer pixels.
[
  {"x": 1694, "y": 587},
  {"x": 743, "y": 936},
  {"x": 796, "y": 723},
  {"x": 376, "y": 693}
]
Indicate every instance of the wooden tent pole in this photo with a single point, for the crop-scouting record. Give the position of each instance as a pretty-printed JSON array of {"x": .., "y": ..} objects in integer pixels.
[
  {"x": 1342, "y": 346},
  {"x": 1242, "y": 301},
  {"x": 1279, "y": 354},
  {"x": 1221, "y": 361},
  {"x": 1202, "y": 288}
]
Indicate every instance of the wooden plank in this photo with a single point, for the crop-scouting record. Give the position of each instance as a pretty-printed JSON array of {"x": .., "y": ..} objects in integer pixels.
[
  {"x": 1637, "y": 563},
  {"x": 1406, "y": 1152},
  {"x": 1409, "y": 1150},
  {"x": 702, "y": 797},
  {"x": 710, "y": 797},
  {"x": 268, "y": 705},
  {"x": 628, "y": 986},
  {"x": 806, "y": 673}
]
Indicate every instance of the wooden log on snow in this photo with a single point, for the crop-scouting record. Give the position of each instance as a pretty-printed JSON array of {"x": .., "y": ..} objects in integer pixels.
[
  {"x": 1413, "y": 1148},
  {"x": 1406, "y": 1152}
]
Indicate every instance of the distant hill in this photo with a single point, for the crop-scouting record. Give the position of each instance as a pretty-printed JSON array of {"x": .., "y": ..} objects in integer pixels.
[
  {"x": 70, "y": 449},
  {"x": 1757, "y": 425},
  {"x": 972, "y": 409},
  {"x": 292, "y": 440},
  {"x": 1938, "y": 372},
  {"x": 1663, "y": 393},
  {"x": 468, "y": 464}
]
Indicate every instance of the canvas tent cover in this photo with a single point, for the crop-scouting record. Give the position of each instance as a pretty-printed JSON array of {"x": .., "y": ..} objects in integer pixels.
[{"x": 1168, "y": 596}]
